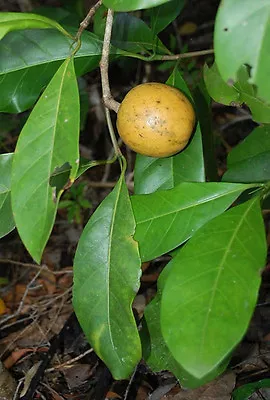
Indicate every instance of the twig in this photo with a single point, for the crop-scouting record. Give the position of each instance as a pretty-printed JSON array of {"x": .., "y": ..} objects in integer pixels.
[
  {"x": 84, "y": 24},
  {"x": 34, "y": 266},
  {"x": 108, "y": 185},
  {"x": 108, "y": 165},
  {"x": 185, "y": 55},
  {"x": 108, "y": 100},
  {"x": 130, "y": 382},
  {"x": 69, "y": 362},
  {"x": 171, "y": 57},
  {"x": 28, "y": 287}
]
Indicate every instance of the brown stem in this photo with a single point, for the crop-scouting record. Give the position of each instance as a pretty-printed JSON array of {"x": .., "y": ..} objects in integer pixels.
[
  {"x": 84, "y": 24},
  {"x": 185, "y": 55},
  {"x": 108, "y": 100}
]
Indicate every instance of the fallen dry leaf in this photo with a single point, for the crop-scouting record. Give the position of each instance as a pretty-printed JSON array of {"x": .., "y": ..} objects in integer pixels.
[
  {"x": 3, "y": 308},
  {"x": 15, "y": 356}
]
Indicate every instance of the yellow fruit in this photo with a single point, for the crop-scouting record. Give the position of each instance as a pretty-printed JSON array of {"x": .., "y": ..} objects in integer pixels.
[{"x": 155, "y": 120}]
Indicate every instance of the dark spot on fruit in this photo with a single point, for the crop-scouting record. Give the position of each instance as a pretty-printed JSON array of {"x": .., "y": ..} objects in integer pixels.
[
  {"x": 158, "y": 101},
  {"x": 225, "y": 29}
]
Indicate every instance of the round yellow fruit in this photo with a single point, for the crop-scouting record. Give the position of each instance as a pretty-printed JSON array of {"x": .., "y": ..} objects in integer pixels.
[{"x": 155, "y": 120}]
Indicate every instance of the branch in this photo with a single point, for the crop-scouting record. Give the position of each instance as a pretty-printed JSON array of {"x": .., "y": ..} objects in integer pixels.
[
  {"x": 84, "y": 24},
  {"x": 170, "y": 57},
  {"x": 108, "y": 100},
  {"x": 185, "y": 55}
]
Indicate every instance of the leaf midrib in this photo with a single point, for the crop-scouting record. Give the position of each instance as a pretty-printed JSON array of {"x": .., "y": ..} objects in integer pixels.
[
  {"x": 198, "y": 203},
  {"x": 214, "y": 290}
]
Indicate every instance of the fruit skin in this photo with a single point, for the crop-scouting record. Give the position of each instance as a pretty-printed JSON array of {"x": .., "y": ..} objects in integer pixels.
[{"x": 155, "y": 120}]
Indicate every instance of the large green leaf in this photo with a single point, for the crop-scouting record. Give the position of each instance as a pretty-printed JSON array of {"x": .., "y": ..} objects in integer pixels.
[
  {"x": 106, "y": 279},
  {"x": 242, "y": 36},
  {"x": 29, "y": 59},
  {"x": 12, "y": 21},
  {"x": 156, "y": 352},
  {"x": 129, "y": 33},
  {"x": 48, "y": 140},
  {"x": 163, "y": 15},
  {"x": 6, "y": 217},
  {"x": 131, "y": 5},
  {"x": 167, "y": 218},
  {"x": 153, "y": 174},
  {"x": 132, "y": 34},
  {"x": 250, "y": 160},
  {"x": 240, "y": 92},
  {"x": 212, "y": 287}
]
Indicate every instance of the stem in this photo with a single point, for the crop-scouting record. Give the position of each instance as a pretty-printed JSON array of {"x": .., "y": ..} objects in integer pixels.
[
  {"x": 84, "y": 24},
  {"x": 172, "y": 57},
  {"x": 108, "y": 100},
  {"x": 112, "y": 134}
]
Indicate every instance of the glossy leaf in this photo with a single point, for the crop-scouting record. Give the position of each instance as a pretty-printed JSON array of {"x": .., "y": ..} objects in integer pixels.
[
  {"x": 48, "y": 140},
  {"x": 106, "y": 279},
  {"x": 163, "y": 15},
  {"x": 132, "y": 34},
  {"x": 158, "y": 356},
  {"x": 204, "y": 115},
  {"x": 165, "y": 219},
  {"x": 132, "y": 5},
  {"x": 6, "y": 217},
  {"x": 29, "y": 59},
  {"x": 212, "y": 288},
  {"x": 152, "y": 174},
  {"x": 238, "y": 93},
  {"x": 249, "y": 161},
  {"x": 129, "y": 33},
  {"x": 244, "y": 392},
  {"x": 12, "y": 21},
  {"x": 238, "y": 41},
  {"x": 156, "y": 352},
  {"x": 218, "y": 89}
]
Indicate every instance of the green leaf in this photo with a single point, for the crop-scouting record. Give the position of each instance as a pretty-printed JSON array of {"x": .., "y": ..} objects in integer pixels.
[
  {"x": 152, "y": 174},
  {"x": 259, "y": 109},
  {"x": 106, "y": 279},
  {"x": 204, "y": 115},
  {"x": 132, "y": 5},
  {"x": 6, "y": 218},
  {"x": 238, "y": 41},
  {"x": 60, "y": 15},
  {"x": 156, "y": 352},
  {"x": 132, "y": 34},
  {"x": 12, "y": 21},
  {"x": 29, "y": 59},
  {"x": 166, "y": 219},
  {"x": 218, "y": 89},
  {"x": 129, "y": 33},
  {"x": 244, "y": 392},
  {"x": 48, "y": 140},
  {"x": 163, "y": 15},
  {"x": 159, "y": 357},
  {"x": 249, "y": 161},
  {"x": 212, "y": 288},
  {"x": 240, "y": 92}
]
